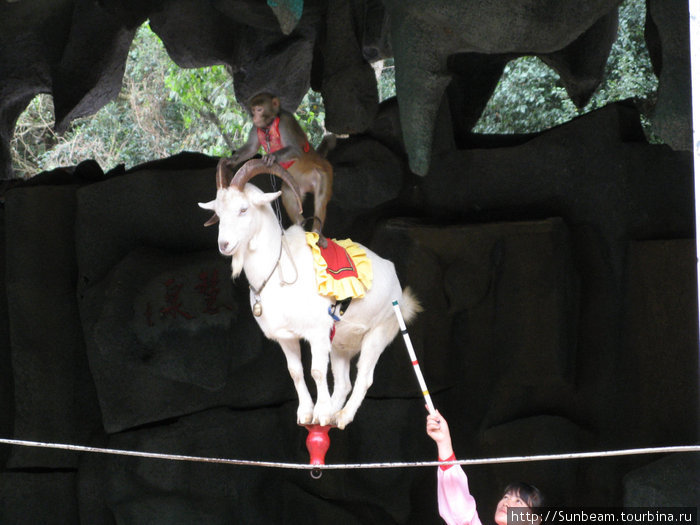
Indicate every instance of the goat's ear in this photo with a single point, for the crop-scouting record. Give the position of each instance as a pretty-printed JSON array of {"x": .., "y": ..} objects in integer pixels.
[
  {"x": 264, "y": 198},
  {"x": 209, "y": 206}
]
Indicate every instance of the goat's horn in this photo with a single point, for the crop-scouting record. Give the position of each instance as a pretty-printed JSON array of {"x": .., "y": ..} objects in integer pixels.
[
  {"x": 223, "y": 169},
  {"x": 255, "y": 167}
]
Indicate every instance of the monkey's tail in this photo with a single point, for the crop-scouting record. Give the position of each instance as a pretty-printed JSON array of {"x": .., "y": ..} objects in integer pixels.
[{"x": 327, "y": 144}]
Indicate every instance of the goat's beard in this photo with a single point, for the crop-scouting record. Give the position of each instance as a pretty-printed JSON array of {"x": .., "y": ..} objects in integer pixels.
[{"x": 236, "y": 264}]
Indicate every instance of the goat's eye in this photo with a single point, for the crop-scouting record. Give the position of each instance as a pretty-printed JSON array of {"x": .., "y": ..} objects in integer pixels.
[{"x": 242, "y": 211}]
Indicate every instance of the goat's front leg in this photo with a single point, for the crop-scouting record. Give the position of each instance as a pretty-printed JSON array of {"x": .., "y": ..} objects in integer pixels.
[
  {"x": 292, "y": 351},
  {"x": 320, "y": 350}
]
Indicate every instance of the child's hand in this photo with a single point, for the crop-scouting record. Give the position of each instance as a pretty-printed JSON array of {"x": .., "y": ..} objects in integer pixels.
[
  {"x": 438, "y": 430},
  {"x": 436, "y": 427}
]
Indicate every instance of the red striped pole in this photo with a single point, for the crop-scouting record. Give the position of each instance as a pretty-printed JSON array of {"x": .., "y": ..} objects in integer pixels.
[{"x": 414, "y": 359}]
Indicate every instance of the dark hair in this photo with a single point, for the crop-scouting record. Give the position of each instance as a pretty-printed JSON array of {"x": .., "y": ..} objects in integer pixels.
[{"x": 530, "y": 494}]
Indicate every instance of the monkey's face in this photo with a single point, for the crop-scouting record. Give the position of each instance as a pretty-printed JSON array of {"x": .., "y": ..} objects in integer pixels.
[{"x": 264, "y": 114}]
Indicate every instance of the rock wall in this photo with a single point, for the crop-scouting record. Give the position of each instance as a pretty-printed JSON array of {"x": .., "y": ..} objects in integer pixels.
[{"x": 557, "y": 275}]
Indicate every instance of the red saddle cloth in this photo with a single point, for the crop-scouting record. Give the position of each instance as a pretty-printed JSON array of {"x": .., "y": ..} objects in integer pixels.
[
  {"x": 340, "y": 264},
  {"x": 343, "y": 268}
]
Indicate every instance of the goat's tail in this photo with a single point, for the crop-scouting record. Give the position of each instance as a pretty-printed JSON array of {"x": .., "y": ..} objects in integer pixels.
[{"x": 409, "y": 304}]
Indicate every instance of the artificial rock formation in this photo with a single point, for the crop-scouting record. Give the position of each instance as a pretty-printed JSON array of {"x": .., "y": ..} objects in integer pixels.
[{"x": 76, "y": 50}]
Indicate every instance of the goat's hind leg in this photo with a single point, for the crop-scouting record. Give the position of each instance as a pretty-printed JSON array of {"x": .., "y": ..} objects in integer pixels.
[
  {"x": 292, "y": 351},
  {"x": 373, "y": 345},
  {"x": 340, "y": 365}
]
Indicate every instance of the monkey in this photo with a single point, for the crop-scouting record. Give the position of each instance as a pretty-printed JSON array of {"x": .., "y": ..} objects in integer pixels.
[{"x": 281, "y": 137}]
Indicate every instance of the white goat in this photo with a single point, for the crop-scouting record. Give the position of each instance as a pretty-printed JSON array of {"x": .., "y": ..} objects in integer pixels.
[{"x": 285, "y": 300}]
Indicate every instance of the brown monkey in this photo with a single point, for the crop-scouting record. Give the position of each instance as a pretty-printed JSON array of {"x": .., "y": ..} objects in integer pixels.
[{"x": 280, "y": 135}]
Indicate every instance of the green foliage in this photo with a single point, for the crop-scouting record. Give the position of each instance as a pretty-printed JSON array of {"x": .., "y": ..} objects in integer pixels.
[
  {"x": 528, "y": 98},
  {"x": 33, "y": 137},
  {"x": 203, "y": 102},
  {"x": 311, "y": 115},
  {"x": 531, "y": 97},
  {"x": 386, "y": 79}
]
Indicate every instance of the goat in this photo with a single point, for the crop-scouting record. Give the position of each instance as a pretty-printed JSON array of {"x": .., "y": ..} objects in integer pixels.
[{"x": 285, "y": 300}]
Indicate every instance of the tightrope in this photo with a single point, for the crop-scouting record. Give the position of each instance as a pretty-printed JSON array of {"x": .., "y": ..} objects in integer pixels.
[{"x": 352, "y": 466}]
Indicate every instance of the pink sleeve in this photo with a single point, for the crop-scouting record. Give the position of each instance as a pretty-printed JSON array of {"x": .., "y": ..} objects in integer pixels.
[{"x": 456, "y": 505}]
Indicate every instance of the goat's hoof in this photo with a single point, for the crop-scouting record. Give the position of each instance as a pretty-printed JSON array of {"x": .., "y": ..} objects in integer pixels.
[
  {"x": 304, "y": 419},
  {"x": 342, "y": 419},
  {"x": 323, "y": 415},
  {"x": 325, "y": 421},
  {"x": 323, "y": 418}
]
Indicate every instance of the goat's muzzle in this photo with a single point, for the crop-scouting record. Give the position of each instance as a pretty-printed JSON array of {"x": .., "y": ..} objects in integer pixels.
[{"x": 225, "y": 248}]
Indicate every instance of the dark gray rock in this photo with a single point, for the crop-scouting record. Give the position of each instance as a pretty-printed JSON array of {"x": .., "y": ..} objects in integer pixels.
[
  {"x": 603, "y": 164},
  {"x": 47, "y": 497},
  {"x": 656, "y": 300},
  {"x": 6, "y": 380},
  {"x": 89, "y": 76},
  {"x": 462, "y": 290},
  {"x": 349, "y": 85},
  {"x": 671, "y": 481},
  {"x": 386, "y": 127},
  {"x": 291, "y": 61},
  {"x": 191, "y": 31},
  {"x": 670, "y": 43},
  {"x": 365, "y": 174},
  {"x": 155, "y": 199},
  {"x": 53, "y": 389}
]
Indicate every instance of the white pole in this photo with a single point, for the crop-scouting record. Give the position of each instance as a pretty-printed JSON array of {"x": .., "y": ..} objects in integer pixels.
[
  {"x": 694, "y": 7},
  {"x": 414, "y": 359}
]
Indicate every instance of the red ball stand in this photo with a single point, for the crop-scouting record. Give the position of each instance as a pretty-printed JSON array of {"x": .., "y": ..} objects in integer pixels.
[{"x": 317, "y": 443}]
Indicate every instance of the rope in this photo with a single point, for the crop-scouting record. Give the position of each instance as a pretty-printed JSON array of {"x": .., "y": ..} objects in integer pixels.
[
  {"x": 349, "y": 466},
  {"x": 276, "y": 203}
]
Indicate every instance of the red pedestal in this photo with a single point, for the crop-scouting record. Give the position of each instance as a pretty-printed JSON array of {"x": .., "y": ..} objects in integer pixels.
[{"x": 317, "y": 443}]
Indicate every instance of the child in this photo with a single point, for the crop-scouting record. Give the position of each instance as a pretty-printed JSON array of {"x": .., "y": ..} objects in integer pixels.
[{"x": 456, "y": 505}]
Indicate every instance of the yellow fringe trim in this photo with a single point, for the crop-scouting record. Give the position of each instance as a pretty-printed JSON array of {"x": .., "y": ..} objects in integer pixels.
[{"x": 354, "y": 287}]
